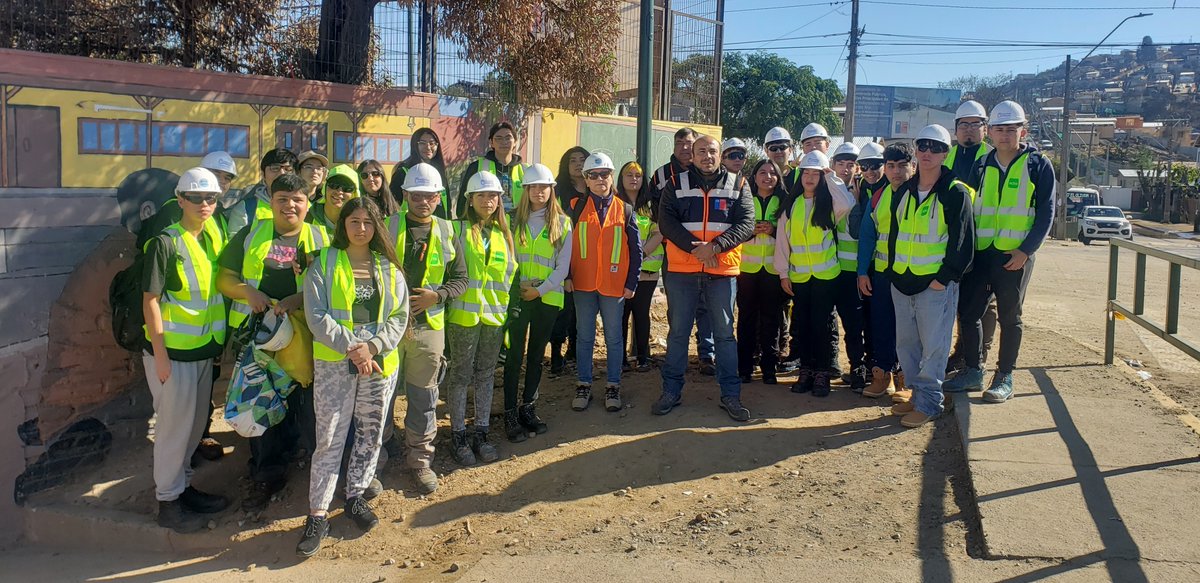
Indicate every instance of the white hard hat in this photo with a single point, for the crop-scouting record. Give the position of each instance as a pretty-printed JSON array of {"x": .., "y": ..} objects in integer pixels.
[
  {"x": 846, "y": 149},
  {"x": 815, "y": 160},
  {"x": 219, "y": 160},
  {"x": 483, "y": 181},
  {"x": 732, "y": 143},
  {"x": 275, "y": 332},
  {"x": 970, "y": 108},
  {"x": 777, "y": 134},
  {"x": 422, "y": 177},
  {"x": 538, "y": 174},
  {"x": 813, "y": 130},
  {"x": 935, "y": 133},
  {"x": 598, "y": 161},
  {"x": 871, "y": 151},
  {"x": 1007, "y": 113},
  {"x": 198, "y": 180}
]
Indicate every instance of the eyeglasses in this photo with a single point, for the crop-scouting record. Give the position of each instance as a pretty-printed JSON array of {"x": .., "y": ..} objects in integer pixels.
[
  {"x": 870, "y": 166},
  {"x": 279, "y": 168},
  {"x": 427, "y": 143},
  {"x": 200, "y": 198},
  {"x": 736, "y": 155},
  {"x": 423, "y": 196},
  {"x": 778, "y": 148},
  {"x": 598, "y": 174},
  {"x": 970, "y": 125},
  {"x": 312, "y": 167},
  {"x": 930, "y": 146},
  {"x": 371, "y": 174},
  {"x": 341, "y": 188}
]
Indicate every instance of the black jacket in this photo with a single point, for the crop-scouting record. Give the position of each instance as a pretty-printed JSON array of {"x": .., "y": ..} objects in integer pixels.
[
  {"x": 955, "y": 200},
  {"x": 669, "y": 174},
  {"x": 672, "y": 215}
]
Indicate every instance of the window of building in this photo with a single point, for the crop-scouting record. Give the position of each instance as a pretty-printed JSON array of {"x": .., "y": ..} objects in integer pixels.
[
  {"x": 352, "y": 148},
  {"x": 121, "y": 136},
  {"x": 112, "y": 136}
]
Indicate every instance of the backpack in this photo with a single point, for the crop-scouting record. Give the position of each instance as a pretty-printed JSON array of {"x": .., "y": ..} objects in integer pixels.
[{"x": 125, "y": 300}]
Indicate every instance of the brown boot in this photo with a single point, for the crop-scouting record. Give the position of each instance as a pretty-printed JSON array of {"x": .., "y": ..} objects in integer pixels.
[
  {"x": 902, "y": 409},
  {"x": 902, "y": 396},
  {"x": 881, "y": 384}
]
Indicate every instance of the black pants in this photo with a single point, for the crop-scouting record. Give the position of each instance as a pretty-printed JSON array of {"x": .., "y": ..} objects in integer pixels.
[
  {"x": 536, "y": 320},
  {"x": 849, "y": 306},
  {"x": 989, "y": 330},
  {"x": 297, "y": 433},
  {"x": 564, "y": 327},
  {"x": 638, "y": 309},
  {"x": 812, "y": 305},
  {"x": 758, "y": 321},
  {"x": 1009, "y": 287}
]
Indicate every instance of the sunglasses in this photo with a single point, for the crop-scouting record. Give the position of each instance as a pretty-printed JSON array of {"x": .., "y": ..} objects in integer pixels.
[
  {"x": 870, "y": 166},
  {"x": 778, "y": 148},
  {"x": 342, "y": 188},
  {"x": 736, "y": 155},
  {"x": 371, "y": 174},
  {"x": 200, "y": 198},
  {"x": 598, "y": 174},
  {"x": 935, "y": 147}
]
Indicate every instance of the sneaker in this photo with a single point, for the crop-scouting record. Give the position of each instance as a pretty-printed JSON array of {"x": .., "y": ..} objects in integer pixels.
[
  {"x": 173, "y": 515},
  {"x": 583, "y": 397},
  {"x": 260, "y": 495},
  {"x": 665, "y": 403},
  {"x": 733, "y": 406},
  {"x": 903, "y": 396},
  {"x": 210, "y": 449},
  {"x": 612, "y": 398},
  {"x": 881, "y": 384},
  {"x": 460, "y": 448},
  {"x": 374, "y": 489},
  {"x": 513, "y": 430},
  {"x": 968, "y": 379},
  {"x": 644, "y": 366},
  {"x": 746, "y": 377},
  {"x": 955, "y": 363},
  {"x": 315, "y": 529},
  {"x": 804, "y": 382},
  {"x": 359, "y": 510},
  {"x": 201, "y": 503},
  {"x": 915, "y": 419},
  {"x": 1000, "y": 390},
  {"x": 787, "y": 367},
  {"x": 821, "y": 384},
  {"x": 427, "y": 480},
  {"x": 858, "y": 379},
  {"x": 626, "y": 367},
  {"x": 484, "y": 450},
  {"x": 769, "y": 378},
  {"x": 708, "y": 367},
  {"x": 527, "y": 415},
  {"x": 902, "y": 409}
]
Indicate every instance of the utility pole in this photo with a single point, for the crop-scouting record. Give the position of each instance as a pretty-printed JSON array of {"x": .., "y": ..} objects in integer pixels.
[
  {"x": 1064, "y": 158},
  {"x": 848, "y": 126},
  {"x": 645, "y": 119}
]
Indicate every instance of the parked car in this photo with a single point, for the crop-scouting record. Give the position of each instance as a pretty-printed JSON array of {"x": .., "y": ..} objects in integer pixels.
[
  {"x": 1103, "y": 222},
  {"x": 1046, "y": 145}
]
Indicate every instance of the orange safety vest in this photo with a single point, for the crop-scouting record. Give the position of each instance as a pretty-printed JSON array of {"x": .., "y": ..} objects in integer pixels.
[
  {"x": 600, "y": 255},
  {"x": 714, "y": 209}
]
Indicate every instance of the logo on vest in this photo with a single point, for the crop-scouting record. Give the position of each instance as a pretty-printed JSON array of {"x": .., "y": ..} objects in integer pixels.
[{"x": 1014, "y": 182}]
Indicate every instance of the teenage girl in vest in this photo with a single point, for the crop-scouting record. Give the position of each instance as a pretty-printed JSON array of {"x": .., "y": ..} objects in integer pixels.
[
  {"x": 356, "y": 304},
  {"x": 569, "y": 185},
  {"x": 635, "y": 190},
  {"x": 475, "y": 327},
  {"x": 375, "y": 185},
  {"x": 758, "y": 289},
  {"x": 425, "y": 147},
  {"x": 806, "y": 259},
  {"x": 542, "y": 236}
]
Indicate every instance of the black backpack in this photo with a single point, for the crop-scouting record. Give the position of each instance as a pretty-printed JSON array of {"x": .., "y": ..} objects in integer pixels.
[{"x": 125, "y": 300}]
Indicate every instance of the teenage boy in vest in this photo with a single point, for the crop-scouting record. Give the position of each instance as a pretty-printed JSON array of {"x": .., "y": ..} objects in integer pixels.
[
  {"x": 502, "y": 160},
  {"x": 848, "y": 303},
  {"x": 930, "y": 245},
  {"x": 1014, "y": 207},
  {"x": 261, "y": 269},
  {"x": 255, "y": 202}
]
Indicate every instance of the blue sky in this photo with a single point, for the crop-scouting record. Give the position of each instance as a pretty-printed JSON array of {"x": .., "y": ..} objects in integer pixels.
[{"x": 775, "y": 26}]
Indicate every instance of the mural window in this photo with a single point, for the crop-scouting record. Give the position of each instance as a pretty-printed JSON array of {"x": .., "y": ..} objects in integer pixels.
[
  {"x": 112, "y": 136},
  {"x": 386, "y": 148},
  {"x": 195, "y": 139}
]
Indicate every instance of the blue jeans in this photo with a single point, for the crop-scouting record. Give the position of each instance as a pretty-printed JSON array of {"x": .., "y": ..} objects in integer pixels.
[
  {"x": 883, "y": 323},
  {"x": 684, "y": 293},
  {"x": 924, "y": 332},
  {"x": 587, "y": 305},
  {"x": 704, "y": 334}
]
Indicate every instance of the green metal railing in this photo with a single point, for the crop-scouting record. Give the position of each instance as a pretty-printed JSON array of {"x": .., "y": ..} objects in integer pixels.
[{"x": 1116, "y": 309}]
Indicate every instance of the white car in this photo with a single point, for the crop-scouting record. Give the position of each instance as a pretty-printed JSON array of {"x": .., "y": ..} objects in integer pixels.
[{"x": 1103, "y": 222}]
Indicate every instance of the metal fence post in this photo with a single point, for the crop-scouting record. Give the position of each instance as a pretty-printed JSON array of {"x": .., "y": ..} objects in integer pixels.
[{"x": 1110, "y": 322}]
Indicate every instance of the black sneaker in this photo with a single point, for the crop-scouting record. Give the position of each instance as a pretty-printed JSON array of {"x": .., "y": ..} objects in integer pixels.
[
  {"x": 733, "y": 406},
  {"x": 175, "y": 516},
  {"x": 460, "y": 448},
  {"x": 483, "y": 449},
  {"x": 821, "y": 384},
  {"x": 201, "y": 502},
  {"x": 858, "y": 379},
  {"x": 210, "y": 449},
  {"x": 374, "y": 489},
  {"x": 260, "y": 494},
  {"x": 746, "y": 378},
  {"x": 527, "y": 415},
  {"x": 359, "y": 510},
  {"x": 804, "y": 383},
  {"x": 708, "y": 367},
  {"x": 770, "y": 379},
  {"x": 955, "y": 363},
  {"x": 644, "y": 366},
  {"x": 626, "y": 367},
  {"x": 513, "y": 430},
  {"x": 315, "y": 529},
  {"x": 665, "y": 403}
]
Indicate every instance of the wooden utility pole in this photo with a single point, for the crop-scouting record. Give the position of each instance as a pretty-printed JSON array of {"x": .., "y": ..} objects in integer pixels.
[
  {"x": 848, "y": 126},
  {"x": 1064, "y": 157}
]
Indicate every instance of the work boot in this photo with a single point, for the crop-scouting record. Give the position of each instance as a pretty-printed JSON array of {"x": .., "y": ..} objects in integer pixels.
[
  {"x": 427, "y": 480},
  {"x": 733, "y": 406},
  {"x": 915, "y": 419},
  {"x": 315, "y": 529},
  {"x": 769, "y": 377},
  {"x": 955, "y": 363},
  {"x": 210, "y": 449},
  {"x": 902, "y": 409},
  {"x": 708, "y": 367},
  {"x": 821, "y": 384},
  {"x": 460, "y": 448},
  {"x": 967, "y": 379},
  {"x": 612, "y": 397},
  {"x": 484, "y": 450},
  {"x": 902, "y": 396},
  {"x": 259, "y": 496},
  {"x": 665, "y": 403},
  {"x": 583, "y": 397},
  {"x": 746, "y": 378},
  {"x": 881, "y": 384},
  {"x": 1001, "y": 388},
  {"x": 173, "y": 515},
  {"x": 513, "y": 430},
  {"x": 898, "y": 379},
  {"x": 527, "y": 415},
  {"x": 804, "y": 382},
  {"x": 858, "y": 379},
  {"x": 359, "y": 510},
  {"x": 202, "y": 503}
]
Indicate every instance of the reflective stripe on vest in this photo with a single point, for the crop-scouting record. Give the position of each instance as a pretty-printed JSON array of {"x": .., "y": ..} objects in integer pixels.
[
  {"x": 813, "y": 251},
  {"x": 651, "y": 260},
  {"x": 258, "y": 243},
  {"x": 1004, "y": 214},
  {"x": 535, "y": 259},
  {"x": 438, "y": 254},
  {"x": 490, "y": 273},
  {"x": 882, "y": 215},
  {"x": 847, "y": 245},
  {"x": 516, "y": 173},
  {"x": 600, "y": 258},
  {"x": 339, "y": 285},
  {"x": 759, "y": 252},
  {"x": 922, "y": 236},
  {"x": 713, "y": 216},
  {"x": 194, "y": 316}
]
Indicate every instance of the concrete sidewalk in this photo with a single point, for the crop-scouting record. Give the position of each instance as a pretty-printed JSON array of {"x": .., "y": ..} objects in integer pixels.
[
  {"x": 1086, "y": 464},
  {"x": 1159, "y": 230}
]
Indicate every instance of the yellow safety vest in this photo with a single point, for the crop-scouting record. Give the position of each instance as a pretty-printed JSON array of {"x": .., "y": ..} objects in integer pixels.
[
  {"x": 535, "y": 259},
  {"x": 759, "y": 252},
  {"x": 882, "y": 215},
  {"x": 813, "y": 251},
  {"x": 338, "y": 275},
  {"x": 194, "y": 316},
  {"x": 651, "y": 261},
  {"x": 921, "y": 237},
  {"x": 1004, "y": 213},
  {"x": 438, "y": 255},
  {"x": 847, "y": 246},
  {"x": 489, "y": 273},
  {"x": 983, "y": 150},
  {"x": 258, "y": 243}
]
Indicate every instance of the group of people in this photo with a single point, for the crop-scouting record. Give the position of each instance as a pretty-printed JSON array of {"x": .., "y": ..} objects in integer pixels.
[{"x": 410, "y": 290}]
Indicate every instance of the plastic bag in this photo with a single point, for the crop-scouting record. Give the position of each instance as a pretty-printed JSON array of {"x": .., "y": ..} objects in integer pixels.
[
  {"x": 258, "y": 392},
  {"x": 297, "y": 357}
]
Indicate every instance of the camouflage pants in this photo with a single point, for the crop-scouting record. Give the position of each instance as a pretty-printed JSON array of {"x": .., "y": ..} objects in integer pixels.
[
  {"x": 474, "y": 351},
  {"x": 338, "y": 397}
]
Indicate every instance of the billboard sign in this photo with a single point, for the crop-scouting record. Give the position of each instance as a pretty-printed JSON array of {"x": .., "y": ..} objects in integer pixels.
[{"x": 882, "y": 111}]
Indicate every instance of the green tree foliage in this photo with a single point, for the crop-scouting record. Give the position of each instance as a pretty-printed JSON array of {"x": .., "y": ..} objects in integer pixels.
[{"x": 763, "y": 90}]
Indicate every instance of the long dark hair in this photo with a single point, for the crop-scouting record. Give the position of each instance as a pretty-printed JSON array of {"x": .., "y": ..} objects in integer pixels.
[
  {"x": 380, "y": 243},
  {"x": 640, "y": 200},
  {"x": 822, "y": 215},
  {"x": 414, "y": 158},
  {"x": 566, "y": 186},
  {"x": 384, "y": 198},
  {"x": 778, "y": 193}
]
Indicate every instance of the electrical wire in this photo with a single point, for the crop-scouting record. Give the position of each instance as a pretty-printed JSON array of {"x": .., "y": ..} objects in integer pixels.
[
  {"x": 788, "y": 6},
  {"x": 1022, "y": 8}
]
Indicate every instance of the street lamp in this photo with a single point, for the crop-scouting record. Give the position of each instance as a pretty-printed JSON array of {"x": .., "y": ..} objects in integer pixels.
[{"x": 1064, "y": 156}]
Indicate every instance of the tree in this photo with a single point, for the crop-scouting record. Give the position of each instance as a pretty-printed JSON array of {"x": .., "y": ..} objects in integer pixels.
[
  {"x": 986, "y": 89},
  {"x": 692, "y": 82},
  {"x": 763, "y": 90}
]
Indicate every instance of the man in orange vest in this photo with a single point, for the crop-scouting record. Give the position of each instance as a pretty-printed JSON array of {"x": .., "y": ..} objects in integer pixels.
[{"x": 704, "y": 219}]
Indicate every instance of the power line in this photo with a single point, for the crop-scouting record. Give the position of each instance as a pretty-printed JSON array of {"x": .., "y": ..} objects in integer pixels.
[
  {"x": 787, "y": 6},
  {"x": 831, "y": 11},
  {"x": 1023, "y": 8},
  {"x": 758, "y": 41},
  {"x": 1047, "y": 57}
]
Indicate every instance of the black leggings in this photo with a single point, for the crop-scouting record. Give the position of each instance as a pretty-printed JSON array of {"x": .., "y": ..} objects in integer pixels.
[
  {"x": 639, "y": 309},
  {"x": 812, "y": 306},
  {"x": 536, "y": 318},
  {"x": 758, "y": 321}
]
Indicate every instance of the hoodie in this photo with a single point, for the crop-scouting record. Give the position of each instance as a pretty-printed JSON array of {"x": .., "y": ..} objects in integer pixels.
[{"x": 316, "y": 215}]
